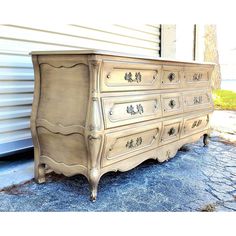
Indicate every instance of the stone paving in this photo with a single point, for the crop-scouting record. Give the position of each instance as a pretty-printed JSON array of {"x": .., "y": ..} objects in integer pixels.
[{"x": 196, "y": 179}]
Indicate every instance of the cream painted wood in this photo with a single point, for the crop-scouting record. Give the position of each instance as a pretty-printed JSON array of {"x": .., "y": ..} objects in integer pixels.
[
  {"x": 197, "y": 100},
  {"x": 128, "y": 109},
  {"x": 195, "y": 124},
  {"x": 171, "y": 131},
  {"x": 172, "y": 104},
  {"x": 172, "y": 77},
  {"x": 86, "y": 123},
  {"x": 119, "y": 76},
  {"x": 197, "y": 77},
  {"x": 122, "y": 145}
]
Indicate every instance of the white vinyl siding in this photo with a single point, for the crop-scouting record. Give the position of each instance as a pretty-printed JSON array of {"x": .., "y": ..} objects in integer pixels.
[{"x": 16, "y": 70}]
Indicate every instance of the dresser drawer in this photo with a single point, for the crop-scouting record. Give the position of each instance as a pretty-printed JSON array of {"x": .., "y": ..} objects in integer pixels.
[
  {"x": 171, "y": 131},
  {"x": 130, "y": 142},
  {"x": 124, "y": 76},
  {"x": 172, "y": 104},
  {"x": 129, "y": 109},
  {"x": 197, "y": 100},
  {"x": 195, "y": 124},
  {"x": 196, "y": 77},
  {"x": 171, "y": 77}
]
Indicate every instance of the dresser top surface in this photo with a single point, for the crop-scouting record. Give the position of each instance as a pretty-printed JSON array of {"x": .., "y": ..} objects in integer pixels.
[{"x": 111, "y": 53}]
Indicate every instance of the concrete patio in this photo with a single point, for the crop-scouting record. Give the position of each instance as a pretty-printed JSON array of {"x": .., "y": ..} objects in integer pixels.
[{"x": 197, "y": 179}]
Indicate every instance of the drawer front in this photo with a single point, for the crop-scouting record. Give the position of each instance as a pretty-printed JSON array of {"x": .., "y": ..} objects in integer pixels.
[
  {"x": 171, "y": 131},
  {"x": 172, "y": 104},
  {"x": 130, "y": 142},
  {"x": 197, "y": 77},
  {"x": 120, "y": 76},
  {"x": 195, "y": 124},
  {"x": 197, "y": 100},
  {"x": 126, "y": 110},
  {"x": 171, "y": 77}
]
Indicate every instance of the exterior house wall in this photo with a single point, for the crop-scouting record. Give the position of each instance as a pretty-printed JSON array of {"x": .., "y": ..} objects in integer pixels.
[{"x": 16, "y": 71}]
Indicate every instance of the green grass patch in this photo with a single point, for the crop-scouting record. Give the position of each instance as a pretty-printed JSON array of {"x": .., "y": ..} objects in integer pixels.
[{"x": 224, "y": 99}]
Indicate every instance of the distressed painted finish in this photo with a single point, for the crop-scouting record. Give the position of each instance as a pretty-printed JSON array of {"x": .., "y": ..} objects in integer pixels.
[{"x": 94, "y": 112}]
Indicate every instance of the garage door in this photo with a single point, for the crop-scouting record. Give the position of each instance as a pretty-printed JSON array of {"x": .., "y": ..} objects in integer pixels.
[{"x": 16, "y": 71}]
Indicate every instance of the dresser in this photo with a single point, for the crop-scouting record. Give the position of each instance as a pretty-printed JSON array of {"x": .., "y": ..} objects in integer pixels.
[{"x": 99, "y": 111}]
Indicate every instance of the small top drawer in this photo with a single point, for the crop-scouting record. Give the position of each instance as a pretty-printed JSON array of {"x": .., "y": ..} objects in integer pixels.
[
  {"x": 171, "y": 77},
  {"x": 125, "y": 76},
  {"x": 197, "y": 77}
]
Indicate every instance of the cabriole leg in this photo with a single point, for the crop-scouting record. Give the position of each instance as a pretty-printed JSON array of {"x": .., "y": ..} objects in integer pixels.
[
  {"x": 39, "y": 174},
  {"x": 205, "y": 140},
  {"x": 93, "y": 181}
]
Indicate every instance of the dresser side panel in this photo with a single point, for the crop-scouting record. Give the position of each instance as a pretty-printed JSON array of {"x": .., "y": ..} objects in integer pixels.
[{"x": 62, "y": 110}]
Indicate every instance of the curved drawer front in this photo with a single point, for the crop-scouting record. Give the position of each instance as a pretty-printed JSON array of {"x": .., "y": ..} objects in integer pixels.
[
  {"x": 126, "y": 110},
  {"x": 195, "y": 124},
  {"x": 120, "y": 76},
  {"x": 124, "y": 144},
  {"x": 172, "y": 104},
  {"x": 197, "y": 77},
  {"x": 171, "y": 131},
  {"x": 171, "y": 77},
  {"x": 197, "y": 100}
]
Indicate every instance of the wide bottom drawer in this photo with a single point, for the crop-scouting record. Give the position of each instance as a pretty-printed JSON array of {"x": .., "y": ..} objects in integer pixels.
[
  {"x": 124, "y": 144},
  {"x": 129, "y": 142}
]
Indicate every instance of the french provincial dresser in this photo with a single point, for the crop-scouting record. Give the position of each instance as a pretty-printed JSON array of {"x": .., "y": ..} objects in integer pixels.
[{"x": 100, "y": 111}]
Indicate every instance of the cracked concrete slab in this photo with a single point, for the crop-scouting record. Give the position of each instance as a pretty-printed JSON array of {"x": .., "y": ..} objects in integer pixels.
[
  {"x": 198, "y": 179},
  {"x": 224, "y": 124}
]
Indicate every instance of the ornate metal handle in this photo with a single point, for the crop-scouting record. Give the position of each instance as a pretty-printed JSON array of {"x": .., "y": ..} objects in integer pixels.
[
  {"x": 134, "y": 143},
  {"x": 197, "y": 76},
  {"x": 197, "y": 100},
  {"x": 129, "y": 77},
  {"x": 196, "y": 123},
  {"x": 171, "y": 131},
  {"x": 139, "y": 109},
  {"x": 171, "y": 76},
  {"x": 172, "y": 103},
  {"x": 154, "y": 77}
]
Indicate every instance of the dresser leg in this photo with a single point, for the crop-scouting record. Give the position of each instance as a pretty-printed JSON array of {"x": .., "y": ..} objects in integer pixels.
[
  {"x": 205, "y": 140},
  {"x": 39, "y": 173},
  {"x": 93, "y": 181}
]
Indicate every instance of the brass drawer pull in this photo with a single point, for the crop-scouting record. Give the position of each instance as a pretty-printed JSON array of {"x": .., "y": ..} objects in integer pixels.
[
  {"x": 171, "y": 76},
  {"x": 131, "y": 143},
  {"x": 197, "y": 100},
  {"x": 171, "y": 131},
  {"x": 197, "y": 76},
  {"x": 196, "y": 123},
  {"x": 172, "y": 103},
  {"x": 139, "y": 109},
  {"x": 137, "y": 79}
]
